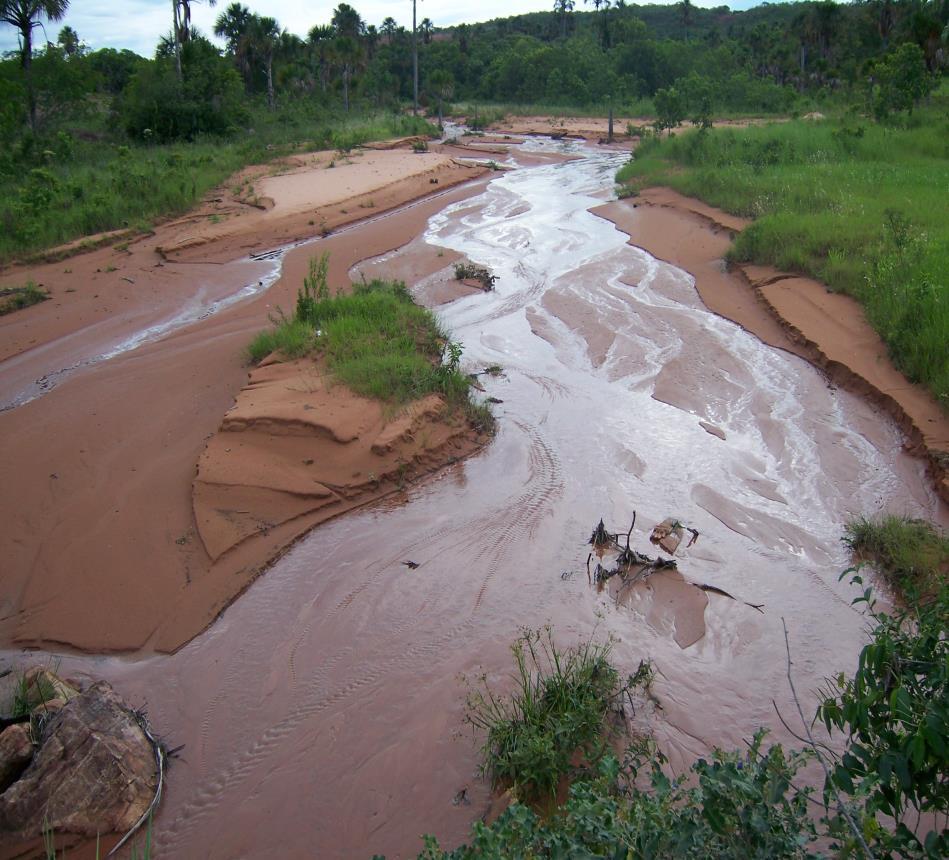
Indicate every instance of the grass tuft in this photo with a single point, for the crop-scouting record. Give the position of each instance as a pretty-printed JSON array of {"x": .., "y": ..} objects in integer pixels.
[
  {"x": 912, "y": 554},
  {"x": 554, "y": 715},
  {"x": 14, "y": 298},
  {"x": 376, "y": 341}
]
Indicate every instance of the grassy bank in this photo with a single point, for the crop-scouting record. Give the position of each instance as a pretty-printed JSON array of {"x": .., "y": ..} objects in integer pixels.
[
  {"x": 85, "y": 187},
  {"x": 376, "y": 341},
  {"x": 857, "y": 205},
  {"x": 912, "y": 555}
]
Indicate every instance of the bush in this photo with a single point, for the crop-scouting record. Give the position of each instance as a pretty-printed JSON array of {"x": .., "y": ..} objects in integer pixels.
[
  {"x": 556, "y": 712},
  {"x": 156, "y": 106}
]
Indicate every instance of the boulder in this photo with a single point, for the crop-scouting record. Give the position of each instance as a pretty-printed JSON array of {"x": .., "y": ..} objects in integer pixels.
[
  {"x": 16, "y": 750},
  {"x": 41, "y": 685},
  {"x": 94, "y": 773}
]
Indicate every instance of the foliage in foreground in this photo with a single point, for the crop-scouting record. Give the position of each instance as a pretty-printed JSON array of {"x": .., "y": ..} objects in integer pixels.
[
  {"x": 912, "y": 554},
  {"x": 375, "y": 340},
  {"x": 856, "y": 204},
  {"x": 732, "y": 805},
  {"x": 893, "y": 712}
]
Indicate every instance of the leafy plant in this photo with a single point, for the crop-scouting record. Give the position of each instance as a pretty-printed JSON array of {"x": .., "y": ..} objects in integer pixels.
[
  {"x": 895, "y": 713},
  {"x": 555, "y": 713}
]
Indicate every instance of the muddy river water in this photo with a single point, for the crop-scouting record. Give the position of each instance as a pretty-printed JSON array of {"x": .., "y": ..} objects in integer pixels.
[{"x": 322, "y": 714}]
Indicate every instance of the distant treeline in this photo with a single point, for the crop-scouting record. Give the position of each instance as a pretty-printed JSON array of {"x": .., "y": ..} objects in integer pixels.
[{"x": 762, "y": 60}]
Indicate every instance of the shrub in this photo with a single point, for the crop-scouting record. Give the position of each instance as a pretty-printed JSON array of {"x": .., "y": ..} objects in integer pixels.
[
  {"x": 208, "y": 100},
  {"x": 557, "y": 710}
]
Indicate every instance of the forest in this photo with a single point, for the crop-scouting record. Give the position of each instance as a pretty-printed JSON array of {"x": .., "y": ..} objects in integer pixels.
[{"x": 97, "y": 140}]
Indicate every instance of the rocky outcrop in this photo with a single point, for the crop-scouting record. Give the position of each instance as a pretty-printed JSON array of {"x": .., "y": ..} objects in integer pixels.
[{"x": 95, "y": 772}]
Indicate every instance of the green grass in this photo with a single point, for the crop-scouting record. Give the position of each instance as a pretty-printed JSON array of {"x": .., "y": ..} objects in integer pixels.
[
  {"x": 856, "y": 205},
  {"x": 376, "y": 341},
  {"x": 558, "y": 708},
  {"x": 912, "y": 554},
  {"x": 291, "y": 337},
  {"x": 14, "y": 298},
  {"x": 81, "y": 188}
]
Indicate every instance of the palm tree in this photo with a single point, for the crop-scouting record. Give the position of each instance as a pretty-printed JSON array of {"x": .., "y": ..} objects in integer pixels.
[
  {"x": 414, "y": 63},
  {"x": 26, "y": 16},
  {"x": 68, "y": 40},
  {"x": 347, "y": 22},
  {"x": 685, "y": 15},
  {"x": 426, "y": 28},
  {"x": 348, "y": 54},
  {"x": 564, "y": 7},
  {"x": 442, "y": 85},
  {"x": 389, "y": 28},
  {"x": 263, "y": 36},
  {"x": 320, "y": 40},
  {"x": 181, "y": 26}
]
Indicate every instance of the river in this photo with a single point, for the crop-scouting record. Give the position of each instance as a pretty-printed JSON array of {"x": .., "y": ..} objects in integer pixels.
[{"x": 322, "y": 714}]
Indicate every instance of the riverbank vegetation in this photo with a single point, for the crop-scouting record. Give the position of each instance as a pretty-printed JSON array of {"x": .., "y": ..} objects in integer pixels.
[
  {"x": 856, "y": 203},
  {"x": 884, "y": 793},
  {"x": 375, "y": 340},
  {"x": 912, "y": 555},
  {"x": 99, "y": 140}
]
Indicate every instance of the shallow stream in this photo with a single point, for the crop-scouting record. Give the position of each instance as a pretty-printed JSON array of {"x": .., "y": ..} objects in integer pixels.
[{"x": 322, "y": 715}]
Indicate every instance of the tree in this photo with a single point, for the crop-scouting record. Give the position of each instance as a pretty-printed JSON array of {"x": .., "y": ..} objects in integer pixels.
[
  {"x": 26, "y": 16},
  {"x": 181, "y": 27},
  {"x": 263, "y": 36},
  {"x": 425, "y": 28},
  {"x": 68, "y": 40},
  {"x": 564, "y": 8},
  {"x": 670, "y": 108},
  {"x": 320, "y": 40},
  {"x": 901, "y": 80},
  {"x": 442, "y": 84},
  {"x": 346, "y": 21},
  {"x": 231, "y": 25},
  {"x": 686, "y": 10},
  {"x": 388, "y": 28}
]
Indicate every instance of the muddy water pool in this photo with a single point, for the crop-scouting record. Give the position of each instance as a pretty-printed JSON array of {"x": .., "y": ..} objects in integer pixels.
[{"x": 322, "y": 715}]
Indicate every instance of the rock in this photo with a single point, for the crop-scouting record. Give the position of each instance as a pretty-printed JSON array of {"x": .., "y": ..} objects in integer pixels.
[
  {"x": 41, "y": 685},
  {"x": 16, "y": 750},
  {"x": 46, "y": 710},
  {"x": 95, "y": 772},
  {"x": 712, "y": 429}
]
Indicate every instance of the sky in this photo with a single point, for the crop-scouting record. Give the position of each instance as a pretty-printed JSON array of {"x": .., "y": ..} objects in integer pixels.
[{"x": 140, "y": 22}]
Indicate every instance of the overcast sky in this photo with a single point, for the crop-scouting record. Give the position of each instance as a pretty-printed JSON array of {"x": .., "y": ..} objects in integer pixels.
[{"x": 137, "y": 24}]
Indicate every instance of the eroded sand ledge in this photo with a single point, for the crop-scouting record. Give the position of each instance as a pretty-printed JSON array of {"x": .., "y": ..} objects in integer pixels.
[
  {"x": 101, "y": 549},
  {"x": 791, "y": 312}
]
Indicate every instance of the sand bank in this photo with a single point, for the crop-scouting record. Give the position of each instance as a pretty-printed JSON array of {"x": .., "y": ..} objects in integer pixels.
[
  {"x": 787, "y": 311},
  {"x": 101, "y": 548}
]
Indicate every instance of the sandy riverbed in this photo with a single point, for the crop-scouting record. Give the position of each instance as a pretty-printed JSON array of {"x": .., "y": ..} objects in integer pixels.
[
  {"x": 788, "y": 311},
  {"x": 102, "y": 467},
  {"x": 101, "y": 547}
]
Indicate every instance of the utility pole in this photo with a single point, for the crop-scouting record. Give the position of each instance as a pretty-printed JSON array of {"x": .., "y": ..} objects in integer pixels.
[{"x": 414, "y": 64}]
